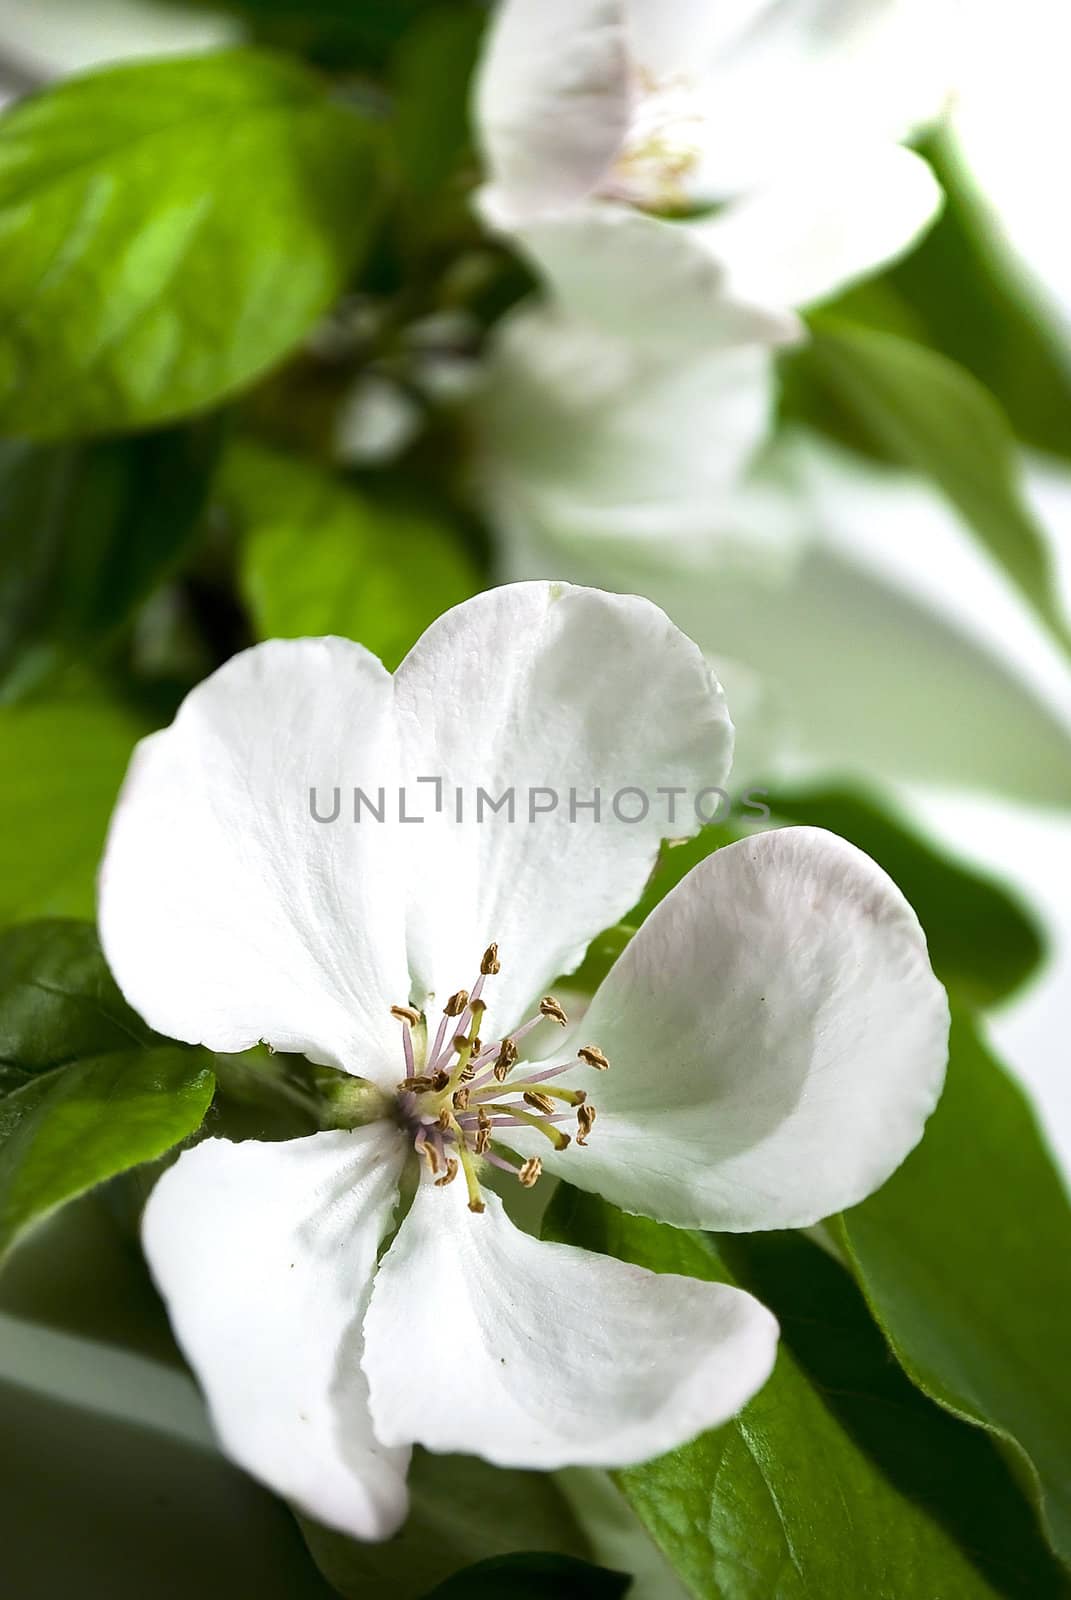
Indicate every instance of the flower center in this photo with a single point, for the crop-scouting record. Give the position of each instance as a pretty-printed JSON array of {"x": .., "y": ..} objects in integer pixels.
[
  {"x": 662, "y": 147},
  {"x": 456, "y": 1096}
]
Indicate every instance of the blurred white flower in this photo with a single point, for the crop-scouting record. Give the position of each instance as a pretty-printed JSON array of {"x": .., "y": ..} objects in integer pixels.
[
  {"x": 780, "y": 125},
  {"x": 887, "y": 645},
  {"x": 774, "y": 1038}
]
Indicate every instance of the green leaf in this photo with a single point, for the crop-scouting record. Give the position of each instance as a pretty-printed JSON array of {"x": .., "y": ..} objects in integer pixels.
[
  {"x": 87, "y": 530},
  {"x": 461, "y": 1511},
  {"x": 58, "y": 1001},
  {"x": 983, "y": 943},
  {"x": 319, "y": 558},
  {"x": 839, "y": 1478},
  {"x": 922, "y": 410},
  {"x": 64, "y": 762},
  {"x": 168, "y": 232},
  {"x": 969, "y": 298},
  {"x": 68, "y": 1130},
  {"x": 434, "y": 64},
  {"x": 965, "y": 1257},
  {"x": 533, "y": 1577}
]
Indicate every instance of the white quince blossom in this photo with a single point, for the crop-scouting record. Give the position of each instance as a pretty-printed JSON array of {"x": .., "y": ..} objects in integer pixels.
[
  {"x": 688, "y": 168},
  {"x": 774, "y": 1039}
]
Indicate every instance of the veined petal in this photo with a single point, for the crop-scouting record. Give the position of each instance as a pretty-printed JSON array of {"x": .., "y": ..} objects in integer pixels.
[
  {"x": 777, "y": 1040},
  {"x": 551, "y": 693},
  {"x": 482, "y": 1339},
  {"x": 552, "y": 103},
  {"x": 228, "y": 913},
  {"x": 814, "y": 231},
  {"x": 653, "y": 281},
  {"x": 264, "y": 1254}
]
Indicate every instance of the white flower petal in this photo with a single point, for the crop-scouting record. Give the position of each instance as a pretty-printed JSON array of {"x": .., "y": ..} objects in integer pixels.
[
  {"x": 640, "y": 277},
  {"x": 546, "y": 689},
  {"x": 264, "y": 1254},
  {"x": 773, "y": 82},
  {"x": 482, "y": 1339},
  {"x": 602, "y": 437},
  {"x": 227, "y": 913},
  {"x": 810, "y": 232},
  {"x": 552, "y": 103},
  {"x": 777, "y": 1040}
]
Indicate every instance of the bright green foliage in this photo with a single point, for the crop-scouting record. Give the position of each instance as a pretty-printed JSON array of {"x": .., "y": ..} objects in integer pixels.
[
  {"x": 68, "y": 1130},
  {"x": 839, "y": 1478},
  {"x": 63, "y": 763},
  {"x": 965, "y": 1257},
  {"x": 319, "y": 558},
  {"x": 168, "y": 232}
]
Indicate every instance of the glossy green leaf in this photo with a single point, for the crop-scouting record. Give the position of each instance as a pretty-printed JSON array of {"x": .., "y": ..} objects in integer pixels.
[
  {"x": 983, "y": 943},
  {"x": 533, "y": 1577},
  {"x": 63, "y": 764},
  {"x": 58, "y": 1001},
  {"x": 67, "y": 1130},
  {"x": 462, "y": 1511},
  {"x": 317, "y": 557},
  {"x": 965, "y": 1257},
  {"x": 86, "y": 532},
  {"x": 924, "y": 411},
  {"x": 839, "y": 1478},
  {"x": 168, "y": 231}
]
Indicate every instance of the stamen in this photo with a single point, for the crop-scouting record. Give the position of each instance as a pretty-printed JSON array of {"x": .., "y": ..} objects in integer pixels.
[
  {"x": 490, "y": 964},
  {"x": 541, "y": 1102},
  {"x": 505, "y": 1061},
  {"x": 455, "y": 1104},
  {"x": 525, "y": 1119}
]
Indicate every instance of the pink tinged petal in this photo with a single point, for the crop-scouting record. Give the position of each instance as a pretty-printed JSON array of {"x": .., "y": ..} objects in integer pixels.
[
  {"x": 264, "y": 1254},
  {"x": 556, "y": 1357},
  {"x": 227, "y": 912},
  {"x": 531, "y": 687},
  {"x": 777, "y": 1040},
  {"x": 814, "y": 231},
  {"x": 552, "y": 103}
]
